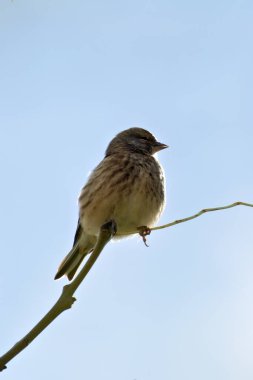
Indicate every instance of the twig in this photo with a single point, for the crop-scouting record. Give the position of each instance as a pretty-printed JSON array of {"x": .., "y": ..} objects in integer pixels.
[
  {"x": 204, "y": 211},
  {"x": 65, "y": 300}
]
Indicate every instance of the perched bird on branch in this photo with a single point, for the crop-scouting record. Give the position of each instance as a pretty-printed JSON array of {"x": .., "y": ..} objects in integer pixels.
[{"x": 126, "y": 187}]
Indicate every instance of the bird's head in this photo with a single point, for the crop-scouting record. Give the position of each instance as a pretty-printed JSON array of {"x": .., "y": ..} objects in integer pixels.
[{"x": 135, "y": 140}]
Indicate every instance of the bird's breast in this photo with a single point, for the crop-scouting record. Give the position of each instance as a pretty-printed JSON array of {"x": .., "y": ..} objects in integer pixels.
[{"x": 130, "y": 191}]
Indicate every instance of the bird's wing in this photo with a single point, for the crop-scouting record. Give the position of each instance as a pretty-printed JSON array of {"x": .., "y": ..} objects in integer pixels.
[{"x": 78, "y": 233}]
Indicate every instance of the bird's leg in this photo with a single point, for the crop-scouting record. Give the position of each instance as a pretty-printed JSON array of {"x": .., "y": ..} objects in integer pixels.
[
  {"x": 144, "y": 231},
  {"x": 110, "y": 226}
]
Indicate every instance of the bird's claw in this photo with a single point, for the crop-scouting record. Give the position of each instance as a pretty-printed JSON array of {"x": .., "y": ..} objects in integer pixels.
[{"x": 143, "y": 232}]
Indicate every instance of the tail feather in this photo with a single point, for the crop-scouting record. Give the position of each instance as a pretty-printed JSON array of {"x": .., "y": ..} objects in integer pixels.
[
  {"x": 71, "y": 262},
  {"x": 71, "y": 272},
  {"x": 83, "y": 245}
]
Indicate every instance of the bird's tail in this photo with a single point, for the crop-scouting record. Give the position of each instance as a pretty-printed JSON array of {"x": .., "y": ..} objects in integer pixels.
[{"x": 71, "y": 262}]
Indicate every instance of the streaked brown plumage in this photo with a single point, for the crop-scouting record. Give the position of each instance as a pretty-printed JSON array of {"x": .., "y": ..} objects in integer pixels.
[{"x": 127, "y": 186}]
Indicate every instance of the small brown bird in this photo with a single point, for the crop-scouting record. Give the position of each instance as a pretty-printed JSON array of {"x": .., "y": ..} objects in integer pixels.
[{"x": 127, "y": 186}]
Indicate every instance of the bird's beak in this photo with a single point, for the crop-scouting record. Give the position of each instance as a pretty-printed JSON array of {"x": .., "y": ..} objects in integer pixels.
[{"x": 157, "y": 146}]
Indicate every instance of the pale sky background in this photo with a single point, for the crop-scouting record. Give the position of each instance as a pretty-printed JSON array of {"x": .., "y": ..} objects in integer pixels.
[{"x": 72, "y": 75}]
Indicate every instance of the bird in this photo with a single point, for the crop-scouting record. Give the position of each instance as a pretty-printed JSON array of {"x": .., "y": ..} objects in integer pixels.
[{"x": 127, "y": 186}]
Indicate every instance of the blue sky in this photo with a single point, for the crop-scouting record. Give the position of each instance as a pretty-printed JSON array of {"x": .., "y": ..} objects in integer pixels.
[{"x": 73, "y": 74}]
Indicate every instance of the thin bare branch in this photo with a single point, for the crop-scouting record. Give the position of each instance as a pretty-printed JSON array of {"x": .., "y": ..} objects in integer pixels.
[{"x": 204, "y": 211}]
